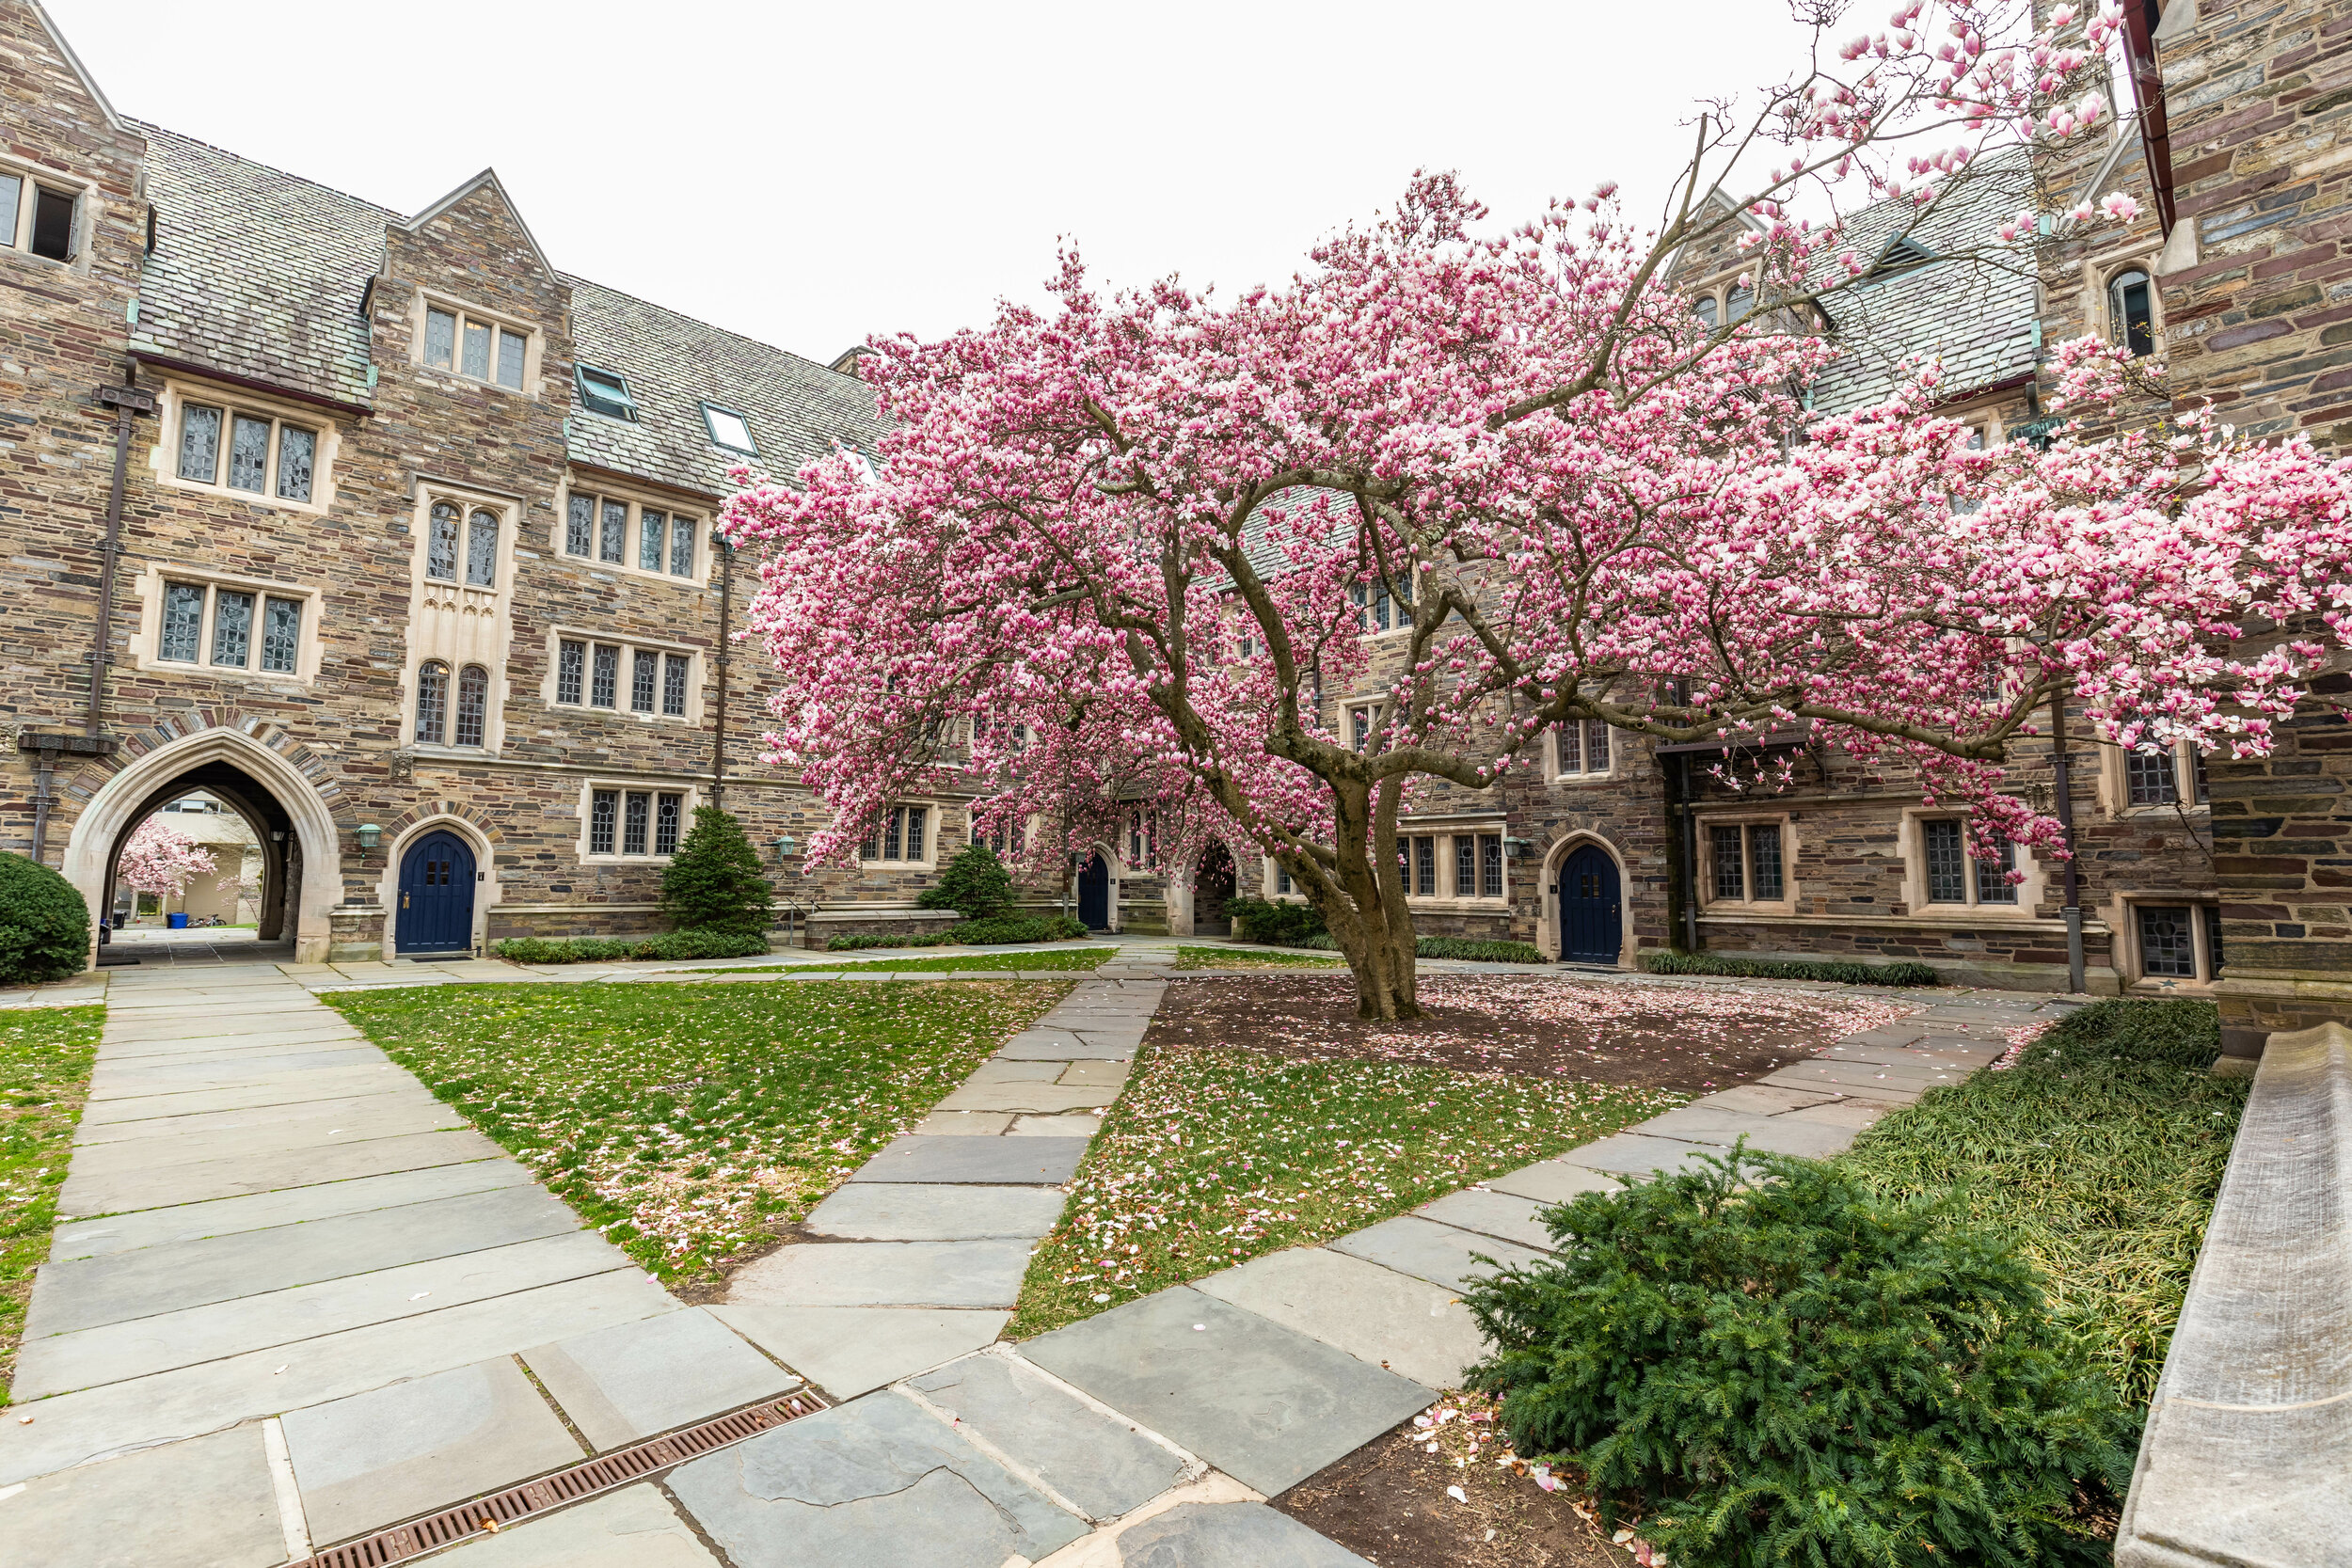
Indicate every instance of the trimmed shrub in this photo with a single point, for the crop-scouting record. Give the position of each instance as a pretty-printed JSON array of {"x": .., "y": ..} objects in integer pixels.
[
  {"x": 714, "y": 882},
  {"x": 974, "y": 933},
  {"x": 1904, "y": 974},
  {"x": 1794, "y": 1372},
  {"x": 673, "y": 946},
  {"x": 1278, "y": 925},
  {"x": 1481, "y": 952},
  {"x": 975, "y": 885},
  {"x": 44, "y": 925}
]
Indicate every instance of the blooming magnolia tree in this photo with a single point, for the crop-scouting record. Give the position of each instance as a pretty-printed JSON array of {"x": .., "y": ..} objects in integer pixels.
[
  {"x": 1139, "y": 551},
  {"x": 163, "y": 861}
]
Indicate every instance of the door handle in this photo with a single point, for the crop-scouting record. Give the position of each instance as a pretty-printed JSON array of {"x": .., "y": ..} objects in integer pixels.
[{"x": 404, "y": 900}]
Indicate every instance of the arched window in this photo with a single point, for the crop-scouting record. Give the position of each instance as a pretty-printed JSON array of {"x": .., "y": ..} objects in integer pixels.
[
  {"x": 2132, "y": 311},
  {"x": 1743, "y": 302},
  {"x": 440, "y": 548},
  {"x": 1704, "y": 307},
  {"x": 473, "y": 694},
  {"x": 432, "y": 703},
  {"x": 482, "y": 548}
]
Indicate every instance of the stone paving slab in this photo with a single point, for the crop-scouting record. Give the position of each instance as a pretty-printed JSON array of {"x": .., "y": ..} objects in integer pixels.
[
  {"x": 294, "y": 1118},
  {"x": 149, "y": 1075},
  {"x": 1506, "y": 1215},
  {"x": 1437, "y": 1253},
  {"x": 1856, "y": 1081},
  {"x": 885, "y": 1273},
  {"x": 1265, "y": 1403},
  {"x": 1059, "y": 1045},
  {"x": 168, "y": 1278},
  {"x": 389, "y": 1454},
  {"x": 635, "y": 1378},
  {"x": 1376, "y": 1315},
  {"x": 161, "y": 1045},
  {"x": 849, "y": 1351},
  {"x": 382, "y": 1078},
  {"x": 1065, "y": 1124},
  {"x": 231, "y": 1216},
  {"x": 209, "y": 1500},
  {"x": 633, "y": 1527},
  {"x": 1632, "y": 1154},
  {"x": 71, "y": 1428},
  {"x": 918, "y": 1212},
  {"x": 963, "y": 1124},
  {"x": 1025, "y": 1162},
  {"x": 400, "y": 1116},
  {"x": 142, "y": 1346},
  {"x": 101, "y": 1194},
  {"x": 1813, "y": 1140},
  {"x": 1102, "y": 1464},
  {"x": 828, "y": 1490},
  {"x": 1049, "y": 1098},
  {"x": 1857, "y": 1113},
  {"x": 1230, "y": 1535},
  {"x": 999, "y": 1071},
  {"x": 1553, "y": 1182},
  {"x": 1769, "y": 1100},
  {"x": 1105, "y": 1074}
]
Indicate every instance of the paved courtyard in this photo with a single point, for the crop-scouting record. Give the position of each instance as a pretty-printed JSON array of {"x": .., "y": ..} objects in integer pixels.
[{"x": 305, "y": 1302}]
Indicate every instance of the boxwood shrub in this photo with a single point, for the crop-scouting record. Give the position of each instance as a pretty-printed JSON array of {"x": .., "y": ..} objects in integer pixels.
[
  {"x": 1279, "y": 924},
  {"x": 1451, "y": 948},
  {"x": 673, "y": 946},
  {"x": 1903, "y": 973},
  {"x": 44, "y": 925},
  {"x": 1775, "y": 1366},
  {"x": 974, "y": 933}
]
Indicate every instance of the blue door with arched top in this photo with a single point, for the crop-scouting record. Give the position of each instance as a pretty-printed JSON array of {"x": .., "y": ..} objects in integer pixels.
[
  {"x": 1587, "y": 896},
  {"x": 1094, "y": 893},
  {"x": 437, "y": 878}
]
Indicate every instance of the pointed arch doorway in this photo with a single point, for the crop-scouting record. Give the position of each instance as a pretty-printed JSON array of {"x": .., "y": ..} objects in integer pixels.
[
  {"x": 1213, "y": 887},
  {"x": 1588, "y": 904},
  {"x": 437, "y": 894}
]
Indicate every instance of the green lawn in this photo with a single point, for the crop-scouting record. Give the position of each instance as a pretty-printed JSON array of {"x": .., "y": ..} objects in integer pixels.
[
  {"x": 2100, "y": 1151},
  {"x": 1080, "y": 958},
  {"x": 45, "y": 1056},
  {"x": 687, "y": 1122},
  {"x": 1230, "y": 957},
  {"x": 1213, "y": 1156}
]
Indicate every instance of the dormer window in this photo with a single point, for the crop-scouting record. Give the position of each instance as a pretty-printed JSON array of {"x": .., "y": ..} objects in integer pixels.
[
  {"x": 729, "y": 429},
  {"x": 1902, "y": 255},
  {"x": 604, "y": 392},
  {"x": 479, "y": 350}
]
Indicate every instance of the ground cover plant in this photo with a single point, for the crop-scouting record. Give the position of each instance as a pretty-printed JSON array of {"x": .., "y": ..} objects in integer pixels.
[
  {"x": 1242, "y": 958},
  {"x": 1775, "y": 1365},
  {"x": 690, "y": 1122},
  {"x": 971, "y": 933},
  {"x": 1071, "y": 957},
  {"x": 673, "y": 946},
  {"x": 44, "y": 924},
  {"x": 2099, "y": 1153},
  {"x": 45, "y": 1057},
  {"x": 1902, "y": 973}
]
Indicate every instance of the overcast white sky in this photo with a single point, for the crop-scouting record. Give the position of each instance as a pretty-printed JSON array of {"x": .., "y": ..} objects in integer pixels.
[{"x": 810, "y": 174}]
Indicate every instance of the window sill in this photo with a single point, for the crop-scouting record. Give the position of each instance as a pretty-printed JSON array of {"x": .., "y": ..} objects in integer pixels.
[
  {"x": 222, "y": 671},
  {"x": 1434, "y": 904},
  {"x": 622, "y": 568},
  {"x": 2169, "y": 813},
  {"x": 440, "y": 752},
  {"x": 897, "y": 865},
  {"x": 1572, "y": 779},
  {"x": 1976, "y": 914},
  {"x": 248, "y": 497},
  {"x": 460, "y": 379},
  {"x": 1773, "y": 909},
  {"x": 582, "y": 711},
  {"x": 625, "y": 860}
]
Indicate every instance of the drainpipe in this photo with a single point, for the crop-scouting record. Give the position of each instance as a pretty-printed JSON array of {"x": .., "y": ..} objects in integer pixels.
[
  {"x": 41, "y": 797},
  {"x": 1689, "y": 834},
  {"x": 128, "y": 400},
  {"x": 2063, "y": 783},
  {"x": 726, "y": 653}
]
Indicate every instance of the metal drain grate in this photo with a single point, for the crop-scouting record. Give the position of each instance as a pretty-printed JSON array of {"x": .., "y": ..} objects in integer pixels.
[{"x": 486, "y": 1515}]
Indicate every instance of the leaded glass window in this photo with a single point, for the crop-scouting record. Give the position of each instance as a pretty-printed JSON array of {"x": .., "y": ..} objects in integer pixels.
[
  {"x": 297, "y": 457},
  {"x": 440, "y": 338},
  {"x": 1584, "y": 747},
  {"x": 604, "y": 686},
  {"x": 1466, "y": 868},
  {"x": 2152, "y": 776},
  {"x": 1731, "y": 864},
  {"x": 1993, "y": 883},
  {"x": 571, "y": 670},
  {"x": 282, "y": 635},
  {"x": 665, "y": 815},
  {"x": 1595, "y": 747},
  {"x": 1764, "y": 860},
  {"x": 1948, "y": 863},
  {"x": 233, "y": 627},
  {"x": 604, "y": 809},
  {"x": 510, "y": 346},
  {"x": 432, "y": 703},
  {"x": 1571, "y": 747},
  {"x": 1425, "y": 867},
  {"x": 474, "y": 704},
  {"x": 616, "y": 538},
  {"x": 440, "y": 545},
  {"x": 2167, "y": 945},
  {"x": 2213, "y": 939},
  {"x": 674, "y": 675},
  {"x": 681, "y": 547},
  {"x": 644, "y": 674},
  {"x": 633, "y": 818},
  {"x": 580, "y": 526},
  {"x": 1490, "y": 866},
  {"x": 919, "y": 818},
  {"x": 248, "y": 453},
  {"x": 481, "y": 547},
  {"x": 477, "y": 361},
  {"x": 184, "y": 622},
  {"x": 199, "y": 443},
  {"x": 650, "y": 537}
]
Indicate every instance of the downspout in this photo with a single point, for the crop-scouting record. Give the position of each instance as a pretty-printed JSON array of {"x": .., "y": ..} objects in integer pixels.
[
  {"x": 727, "y": 655},
  {"x": 2063, "y": 782},
  {"x": 1689, "y": 834},
  {"x": 126, "y": 399}
]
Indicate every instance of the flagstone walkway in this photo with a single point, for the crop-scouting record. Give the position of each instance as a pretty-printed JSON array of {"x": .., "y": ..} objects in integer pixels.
[{"x": 313, "y": 1303}]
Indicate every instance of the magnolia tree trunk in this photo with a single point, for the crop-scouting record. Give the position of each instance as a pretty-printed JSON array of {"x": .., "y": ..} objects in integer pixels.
[{"x": 1362, "y": 900}]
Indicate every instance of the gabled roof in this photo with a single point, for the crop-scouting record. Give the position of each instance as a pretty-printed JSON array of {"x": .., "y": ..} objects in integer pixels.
[
  {"x": 487, "y": 177},
  {"x": 73, "y": 63}
]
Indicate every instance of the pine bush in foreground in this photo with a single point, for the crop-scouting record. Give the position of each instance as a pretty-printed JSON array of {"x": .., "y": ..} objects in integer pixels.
[{"x": 714, "y": 882}]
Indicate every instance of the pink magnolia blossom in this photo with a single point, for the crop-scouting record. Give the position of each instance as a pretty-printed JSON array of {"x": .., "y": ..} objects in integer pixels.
[{"x": 162, "y": 860}]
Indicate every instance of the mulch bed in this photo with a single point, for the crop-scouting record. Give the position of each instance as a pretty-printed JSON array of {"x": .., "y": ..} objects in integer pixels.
[{"x": 1683, "y": 1037}]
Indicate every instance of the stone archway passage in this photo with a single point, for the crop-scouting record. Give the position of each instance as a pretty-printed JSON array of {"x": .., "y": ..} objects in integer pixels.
[
  {"x": 1213, "y": 885},
  {"x": 271, "y": 825}
]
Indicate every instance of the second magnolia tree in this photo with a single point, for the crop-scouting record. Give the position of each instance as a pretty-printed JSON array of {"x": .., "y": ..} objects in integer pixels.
[{"x": 1125, "y": 556}]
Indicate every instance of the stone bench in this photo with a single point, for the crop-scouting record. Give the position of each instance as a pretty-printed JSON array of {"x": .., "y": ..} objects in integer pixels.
[{"x": 2248, "y": 1454}]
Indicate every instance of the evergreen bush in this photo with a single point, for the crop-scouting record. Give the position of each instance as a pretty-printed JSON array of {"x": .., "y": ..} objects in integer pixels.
[
  {"x": 1450, "y": 947},
  {"x": 672, "y": 946},
  {"x": 1776, "y": 1367},
  {"x": 1278, "y": 925},
  {"x": 975, "y": 885},
  {"x": 714, "y": 882},
  {"x": 44, "y": 925},
  {"x": 1007, "y": 928},
  {"x": 1902, "y": 974}
]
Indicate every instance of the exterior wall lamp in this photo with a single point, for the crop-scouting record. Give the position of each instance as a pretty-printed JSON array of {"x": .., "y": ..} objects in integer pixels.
[
  {"x": 1520, "y": 849},
  {"x": 369, "y": 834},
  {"x": 786, "y": 847}
]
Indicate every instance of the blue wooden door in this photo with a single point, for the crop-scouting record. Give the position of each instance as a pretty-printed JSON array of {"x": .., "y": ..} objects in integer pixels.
[
  {"x": 1094, "y": 894},
  {"x": 436, "y": 896},
  {"x": 1591, "y": 924}
]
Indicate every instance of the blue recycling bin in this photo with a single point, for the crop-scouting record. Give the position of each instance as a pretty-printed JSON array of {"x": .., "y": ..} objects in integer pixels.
[{"x": 178, "y": 922}]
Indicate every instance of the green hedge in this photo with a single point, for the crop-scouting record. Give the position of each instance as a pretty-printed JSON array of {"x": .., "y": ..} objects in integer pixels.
[
  {"x": 1279, "y": 924},
  {"x": 1451, "y": 948},
  {"x": 1904, "y": 974},
  {"x": 973, "y": 933},
  {"x": 672, "y": 946},
  {"x": 44, "y": 925}
]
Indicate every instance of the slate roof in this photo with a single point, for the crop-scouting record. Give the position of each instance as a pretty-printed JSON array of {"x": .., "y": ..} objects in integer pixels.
[
  {"x": 1978, "y": 317},
  {"x": 262, "y": 274}
]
